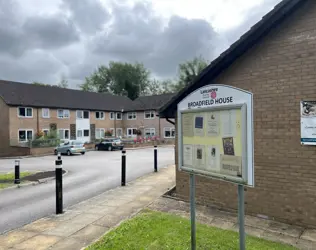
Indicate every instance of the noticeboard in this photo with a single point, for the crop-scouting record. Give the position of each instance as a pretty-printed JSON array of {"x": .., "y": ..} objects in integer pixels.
[
  {"x": 308, "y": 122},
  {"x": 216, "y": 134}
]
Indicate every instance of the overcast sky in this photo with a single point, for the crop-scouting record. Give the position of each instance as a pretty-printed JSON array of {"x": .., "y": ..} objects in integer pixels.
[{"x": 40, "y": 40}]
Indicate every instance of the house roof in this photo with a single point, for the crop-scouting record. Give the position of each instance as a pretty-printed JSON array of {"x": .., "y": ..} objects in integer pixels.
[
  {"x": 153, "y": 102},
  {"x": 284, "y": 9},
  {"x": 23, "y": 94}
]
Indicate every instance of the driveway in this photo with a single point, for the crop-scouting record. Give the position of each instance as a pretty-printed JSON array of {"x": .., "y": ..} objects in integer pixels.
[{"x": 88, "y": 175}]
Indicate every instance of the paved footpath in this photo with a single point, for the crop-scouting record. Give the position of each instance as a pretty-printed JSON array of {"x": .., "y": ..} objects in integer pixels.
[{"x": 84, "y": 223}]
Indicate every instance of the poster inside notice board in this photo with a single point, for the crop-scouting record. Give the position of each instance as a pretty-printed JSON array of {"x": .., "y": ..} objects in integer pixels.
[{"x": 308, "y": 122}]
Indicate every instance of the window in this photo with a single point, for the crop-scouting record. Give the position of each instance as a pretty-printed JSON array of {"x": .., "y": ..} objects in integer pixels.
[
  {"x": 149, "y": 131},
  {"x": 25, "y": 112},
  {"x": 46, "y": 131},
  {"x": 99, "y": 115},
  {"x": 111, "y": 115},
  {"x": 131, "y": 116},
  {"x": 119, "y": 132},
  {"x": 45, "y": 113},
  {"x": 82, "y": 114},
  {"x": 118, "y": 116},
  {"x": 63, "y": 113},
  {"x": 86, "y": 132},
  {"x": 79, "y": 133},
  {"x": 25, "y": 135},
  {"x": 99, "y": 133},
  {"x": 131, "y": 132},
  {"x": 63, "y": 134},
  {"x": 169, "y": 132},
  {"x": 149, "y": 114}
]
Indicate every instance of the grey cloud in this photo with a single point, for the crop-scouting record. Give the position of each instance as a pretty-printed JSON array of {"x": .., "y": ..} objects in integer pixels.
[
  {"x": 89, "y": 15},
  {"x": 252, "y": 17},
  {"x": 136, "y": 34},
  {"x": 50, "y": 32}
]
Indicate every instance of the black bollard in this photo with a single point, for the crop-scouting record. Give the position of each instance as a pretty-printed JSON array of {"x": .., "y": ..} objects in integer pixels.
[
  {"x": 123, "y": 182},
  {"x": 155, "y": 159},
  {"x": 17, "y": 172},
  {"x": 59, "y": 185}
]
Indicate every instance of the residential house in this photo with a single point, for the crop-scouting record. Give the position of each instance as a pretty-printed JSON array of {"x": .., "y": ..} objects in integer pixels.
[{"x": 27, "y": 109}]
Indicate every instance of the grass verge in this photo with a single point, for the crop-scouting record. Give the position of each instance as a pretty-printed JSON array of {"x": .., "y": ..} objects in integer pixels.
[
  {"x": 7, "y": 180},
  {"x": 152, "y": 230}
]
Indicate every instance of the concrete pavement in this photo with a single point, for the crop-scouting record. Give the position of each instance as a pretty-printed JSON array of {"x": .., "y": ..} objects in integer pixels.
[
  {"x": 85, "y": 222},
  {"x": 88, "y": 175}
]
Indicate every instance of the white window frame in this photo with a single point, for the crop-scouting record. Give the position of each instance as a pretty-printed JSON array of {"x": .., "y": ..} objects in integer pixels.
[
  {"x": 170, "y": 130},
  {"x": 82, "y": 114},
  {"x": 133, "y": 135},
  {"x": 43, "y": 113},
  {"x": 65, "y": 111},
  {"x": 150, "y": 131},
  {"x": 86, "y": 135},
  {"x": 64, "y": 129},
  {"x": 25, "y": 111},
  {"x": 25, "y": 130},
  {"x": 100, "y": 131},
  {"x": 120, "y": 114},
  {"x": 79, "y": 130},
  {"x": 133, "y": 115},
  {"x": 100, "y": 112},
  {"x": 112, "y": 115},
  {"x": 119, "y": 129},
  {"x": 150, "y": 112}
]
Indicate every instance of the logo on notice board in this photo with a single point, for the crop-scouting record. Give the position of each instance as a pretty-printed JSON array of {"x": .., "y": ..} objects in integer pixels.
[{"x": 209, "y": 93}]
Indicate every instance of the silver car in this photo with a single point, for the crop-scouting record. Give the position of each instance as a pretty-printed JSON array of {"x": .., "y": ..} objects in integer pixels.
[{"x": 70, "y": 147}]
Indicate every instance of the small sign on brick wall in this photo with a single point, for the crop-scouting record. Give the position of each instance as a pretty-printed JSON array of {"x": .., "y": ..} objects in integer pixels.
[{"x": 308, "y": 122}]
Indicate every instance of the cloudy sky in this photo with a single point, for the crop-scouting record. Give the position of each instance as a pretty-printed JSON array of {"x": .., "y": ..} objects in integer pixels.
[{"x": 41, "y": 40}]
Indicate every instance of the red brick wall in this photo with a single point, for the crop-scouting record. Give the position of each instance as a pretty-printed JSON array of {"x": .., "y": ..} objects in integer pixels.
[{"x": 280, "y": 71}]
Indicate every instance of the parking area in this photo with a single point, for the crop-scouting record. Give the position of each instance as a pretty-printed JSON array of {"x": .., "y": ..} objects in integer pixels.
[{"x": 88, "y": 175}]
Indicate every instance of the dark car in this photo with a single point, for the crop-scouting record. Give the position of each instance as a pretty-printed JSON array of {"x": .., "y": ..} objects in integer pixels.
[{"x": 109, "y": 144}]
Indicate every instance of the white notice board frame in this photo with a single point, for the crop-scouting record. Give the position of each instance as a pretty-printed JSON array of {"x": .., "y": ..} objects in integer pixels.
[{"x": 204, "y": 100}]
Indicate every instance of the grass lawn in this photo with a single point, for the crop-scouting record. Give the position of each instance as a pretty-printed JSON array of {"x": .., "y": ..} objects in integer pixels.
[
  {"x": 159, "y": 231},
  {"x": 7, "y": 180}
]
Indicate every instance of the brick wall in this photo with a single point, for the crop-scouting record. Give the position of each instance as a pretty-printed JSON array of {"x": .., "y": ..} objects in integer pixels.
[
  {"x": 280, "y": 71},
  {"x": 37, "y": 122}
]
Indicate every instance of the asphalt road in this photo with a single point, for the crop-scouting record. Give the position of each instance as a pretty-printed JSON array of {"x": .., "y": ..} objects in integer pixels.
[{"x": 88, "y": 175}]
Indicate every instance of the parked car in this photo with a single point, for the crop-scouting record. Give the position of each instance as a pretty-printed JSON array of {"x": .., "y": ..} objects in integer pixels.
[
  {"x": 109, "y": 144},
  {"x": 70, "y": 147}
]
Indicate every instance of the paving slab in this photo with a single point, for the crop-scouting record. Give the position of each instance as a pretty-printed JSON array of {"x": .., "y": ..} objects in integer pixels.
[
  {"x": 65, "y": 229},
  {"x": 309, "y": 234},
  {"x": 305, "y": 244},
  {"x": 90, "y": 233},
  {"x": 40, "y": 225},
  {"x": 15, "y": 237},
  {"x": 38, "y": 242},
  {"x": 278, "y": 237},
  {"x": 278, "y": 227},
  {"x": 68, "y": 244}
]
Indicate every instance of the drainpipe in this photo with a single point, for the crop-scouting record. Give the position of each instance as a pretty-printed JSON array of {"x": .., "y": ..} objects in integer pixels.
[
  {"x": 37, "y": 121},
  {"x": 115, "y": 124}
]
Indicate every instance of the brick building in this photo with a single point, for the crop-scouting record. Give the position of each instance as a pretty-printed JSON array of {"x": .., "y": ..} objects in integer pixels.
[
  {"x": 26, "y": 109},
  {"x": 276, "y": 61}
]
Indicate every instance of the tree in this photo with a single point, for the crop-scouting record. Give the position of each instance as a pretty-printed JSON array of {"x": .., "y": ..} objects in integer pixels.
[
  {"x": 40, "y": 84},
  {"x": 63, "y": 82},
  {"x": 189, "y": 70},
  {"x": 156, "y": 87},
  {"x": 118, "y": 78}
]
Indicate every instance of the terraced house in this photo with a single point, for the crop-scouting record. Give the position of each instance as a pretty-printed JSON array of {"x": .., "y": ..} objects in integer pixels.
[{"x": 27, "y": 109}]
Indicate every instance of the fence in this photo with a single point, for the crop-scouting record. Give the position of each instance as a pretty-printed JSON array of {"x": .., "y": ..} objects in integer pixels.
[{"x": 37, "y": 143}]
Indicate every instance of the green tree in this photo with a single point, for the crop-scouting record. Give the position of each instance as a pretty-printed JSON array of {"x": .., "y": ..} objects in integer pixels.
[
  {"x": 40, "y": 84},
  {"x": 118, "y": 78},
  {"x": 189, "y": 70},
  {"x": 156, "y": 87}
]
